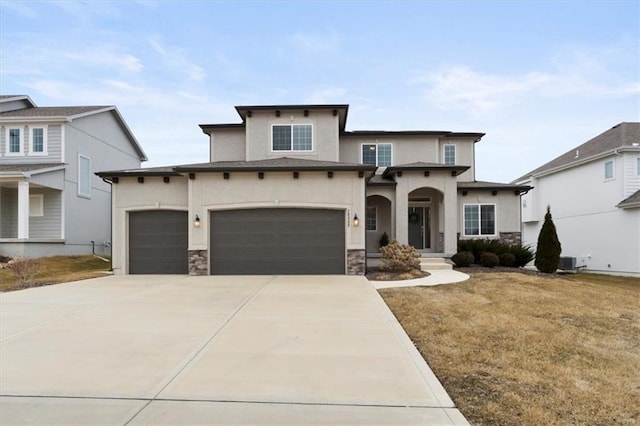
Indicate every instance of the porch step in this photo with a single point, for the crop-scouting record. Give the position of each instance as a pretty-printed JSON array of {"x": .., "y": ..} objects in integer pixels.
[{"x": 435, "y": 264}]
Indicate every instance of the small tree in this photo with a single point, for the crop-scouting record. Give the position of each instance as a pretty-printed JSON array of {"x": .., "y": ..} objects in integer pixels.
[
  {"x": 549, "y": 248},
  {"x": 384, "y": 240}
]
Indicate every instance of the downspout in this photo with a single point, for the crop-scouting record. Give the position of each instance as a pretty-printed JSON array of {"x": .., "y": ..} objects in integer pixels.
[{"x": 110, "y": 223}]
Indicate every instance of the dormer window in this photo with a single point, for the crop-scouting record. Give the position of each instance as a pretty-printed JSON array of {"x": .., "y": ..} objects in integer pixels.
[
  {"x": 377, "y": 154},
  {"x": 295, "y": 137},
  {"x": 449, "y": 155}
]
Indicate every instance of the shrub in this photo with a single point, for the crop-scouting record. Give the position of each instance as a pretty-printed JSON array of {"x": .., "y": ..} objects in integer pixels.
[
  {"x": 549, "y": 248},
  {"x": 507, "y": 259},
  {"x": 384, "y": 240},
  {"x": 523, "y": 254},
  {"x": 399, "y": 257},
  {"x": 24, "y": 269},
  {"x": 489, "y": 260},
  {"x": 463, "y": 258}
]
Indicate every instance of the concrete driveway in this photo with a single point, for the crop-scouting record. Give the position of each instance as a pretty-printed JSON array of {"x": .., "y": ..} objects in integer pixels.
[{"x": 212, "y": 350}]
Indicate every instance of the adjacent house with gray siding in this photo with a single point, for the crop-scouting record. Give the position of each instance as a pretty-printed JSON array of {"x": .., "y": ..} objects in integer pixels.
[
  {"x": 51, "y": 202},
  {"x": 289, "y": 190},
  {"x": 594, "y": 194}
]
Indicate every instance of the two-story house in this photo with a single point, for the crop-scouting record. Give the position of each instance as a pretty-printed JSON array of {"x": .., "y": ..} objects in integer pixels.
[
  {"x": 51, "y": 202},
  {"x": 594, "y": 194},
  {"x": 290, "y": 191}
]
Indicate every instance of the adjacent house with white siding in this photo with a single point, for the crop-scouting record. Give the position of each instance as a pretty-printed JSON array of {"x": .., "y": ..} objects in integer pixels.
[
  {"x": 594, "y": 194},
  {"x": 51, "y": 202}
]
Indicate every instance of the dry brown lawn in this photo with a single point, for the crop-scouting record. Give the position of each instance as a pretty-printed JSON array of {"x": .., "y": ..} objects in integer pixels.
[
  {"x": 514, "y": 349},
  {"x": 56, "y": 269}
]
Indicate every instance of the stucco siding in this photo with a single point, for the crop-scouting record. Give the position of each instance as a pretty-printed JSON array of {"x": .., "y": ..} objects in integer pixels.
[
  {"x": 228, "y": 145},
  {"x": 325, "y": 135},
  {"x": 507, "y": 210},
  {"x": 278, "y": 189},
  {"x": 130, "y": 195}
]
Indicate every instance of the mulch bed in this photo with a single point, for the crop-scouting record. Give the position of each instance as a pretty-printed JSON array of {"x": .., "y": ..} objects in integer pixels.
[{"x": 377, "y": 274}]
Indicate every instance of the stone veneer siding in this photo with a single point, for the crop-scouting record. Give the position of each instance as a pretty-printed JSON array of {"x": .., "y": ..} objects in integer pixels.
[
  {"x": 356, "y": 262},
  {"x": 511, "y": 237},
  {"x": 198, "y": 262}
]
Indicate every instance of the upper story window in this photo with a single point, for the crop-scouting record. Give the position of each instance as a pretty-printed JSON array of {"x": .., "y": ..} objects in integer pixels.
[
  {"x": 295, "y": 137},
  {"x": 84, "y": 176},
  {"x": 377, "y": 154},
  {"x": 608, "y": 170},
  {"x": 449, "y": 154},
  {"x": 479, "y": 220},
  {"x": 14, "y": 141},
  {"x": 38, "y": 141},
  {"x": 638, "y": 166}
]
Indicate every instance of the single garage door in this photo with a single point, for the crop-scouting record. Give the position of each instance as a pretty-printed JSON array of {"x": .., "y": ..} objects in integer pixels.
[
  {"x": 158, "y": 242},
  {"x": 277, "y": 241}
]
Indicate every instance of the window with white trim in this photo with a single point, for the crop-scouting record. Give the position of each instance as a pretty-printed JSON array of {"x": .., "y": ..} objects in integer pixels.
[
  {"x": 608, "y": 170},
  {"x": 377, "y": 154},
  {"x": 38, "y": 141},
  {"x": 84, "y": 176},
  {"x": 14, "y": 141},
  {"x": 36, "y": 205},
  {"x": 449, "y": 154},
  {"x": 479, "y": 220},
  {"x": 295, "y": 137},
  {"x": 371, "y": 221},
  {"x": 638, "y": 166}
]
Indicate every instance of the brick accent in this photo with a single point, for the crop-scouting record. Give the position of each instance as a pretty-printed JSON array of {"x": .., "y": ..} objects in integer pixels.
[
  {"x": 511, "y": 237},
  {"x": 198, "y": 262},
  {"x": 356, "y": 262}
]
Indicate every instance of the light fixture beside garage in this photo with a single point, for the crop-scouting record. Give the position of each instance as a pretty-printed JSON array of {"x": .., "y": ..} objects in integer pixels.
[
  {"x": 196, "y": 222},
  {"x": 356, "y": 221}
]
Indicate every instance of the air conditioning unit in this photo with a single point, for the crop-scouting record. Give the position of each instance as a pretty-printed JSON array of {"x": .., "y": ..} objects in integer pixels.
[{"x": 567, "y": 263}]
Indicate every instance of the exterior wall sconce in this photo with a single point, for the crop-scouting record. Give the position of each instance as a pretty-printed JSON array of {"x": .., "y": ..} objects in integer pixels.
[
  {"x": 196, "y": 222},
  {"x": 356, "y": 221}
]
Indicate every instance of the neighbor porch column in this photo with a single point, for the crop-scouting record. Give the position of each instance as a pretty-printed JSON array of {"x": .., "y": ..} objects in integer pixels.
[{"x": 23, "y": 209}]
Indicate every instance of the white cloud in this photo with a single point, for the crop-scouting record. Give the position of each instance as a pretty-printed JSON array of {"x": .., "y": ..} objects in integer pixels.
[
  {"x": 104, "y": 55},
  {"x": 177, "y": 58},
  {"x": 579, "y": 74}
]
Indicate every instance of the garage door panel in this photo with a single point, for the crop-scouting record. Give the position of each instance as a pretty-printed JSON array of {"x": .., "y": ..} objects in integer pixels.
[
  {"x": 277, "y": 241},
  {"x": 158, "y": 242}
]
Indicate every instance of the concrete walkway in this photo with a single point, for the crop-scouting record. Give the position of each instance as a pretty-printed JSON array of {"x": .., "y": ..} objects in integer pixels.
[
  {"x": 436, "y": 278},
  {"x": 166, "y": 350}
]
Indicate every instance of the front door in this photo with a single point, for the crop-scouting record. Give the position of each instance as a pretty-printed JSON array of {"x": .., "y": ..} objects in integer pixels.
[{"x": 419, "y": 228}]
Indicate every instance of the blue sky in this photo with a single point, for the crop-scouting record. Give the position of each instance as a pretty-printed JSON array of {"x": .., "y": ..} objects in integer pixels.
[{"x": 538, "y": 78}]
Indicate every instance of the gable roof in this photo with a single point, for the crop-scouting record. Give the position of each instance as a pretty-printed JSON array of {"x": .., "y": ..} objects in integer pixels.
[
  {"x": 67, "y": 113},
  {"x": 13, "y": 98},
  {"x": 621, "y": 136}
]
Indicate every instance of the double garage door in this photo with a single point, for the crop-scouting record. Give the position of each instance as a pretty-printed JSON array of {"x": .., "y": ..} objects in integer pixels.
[{"x": 242, "y": 242}]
